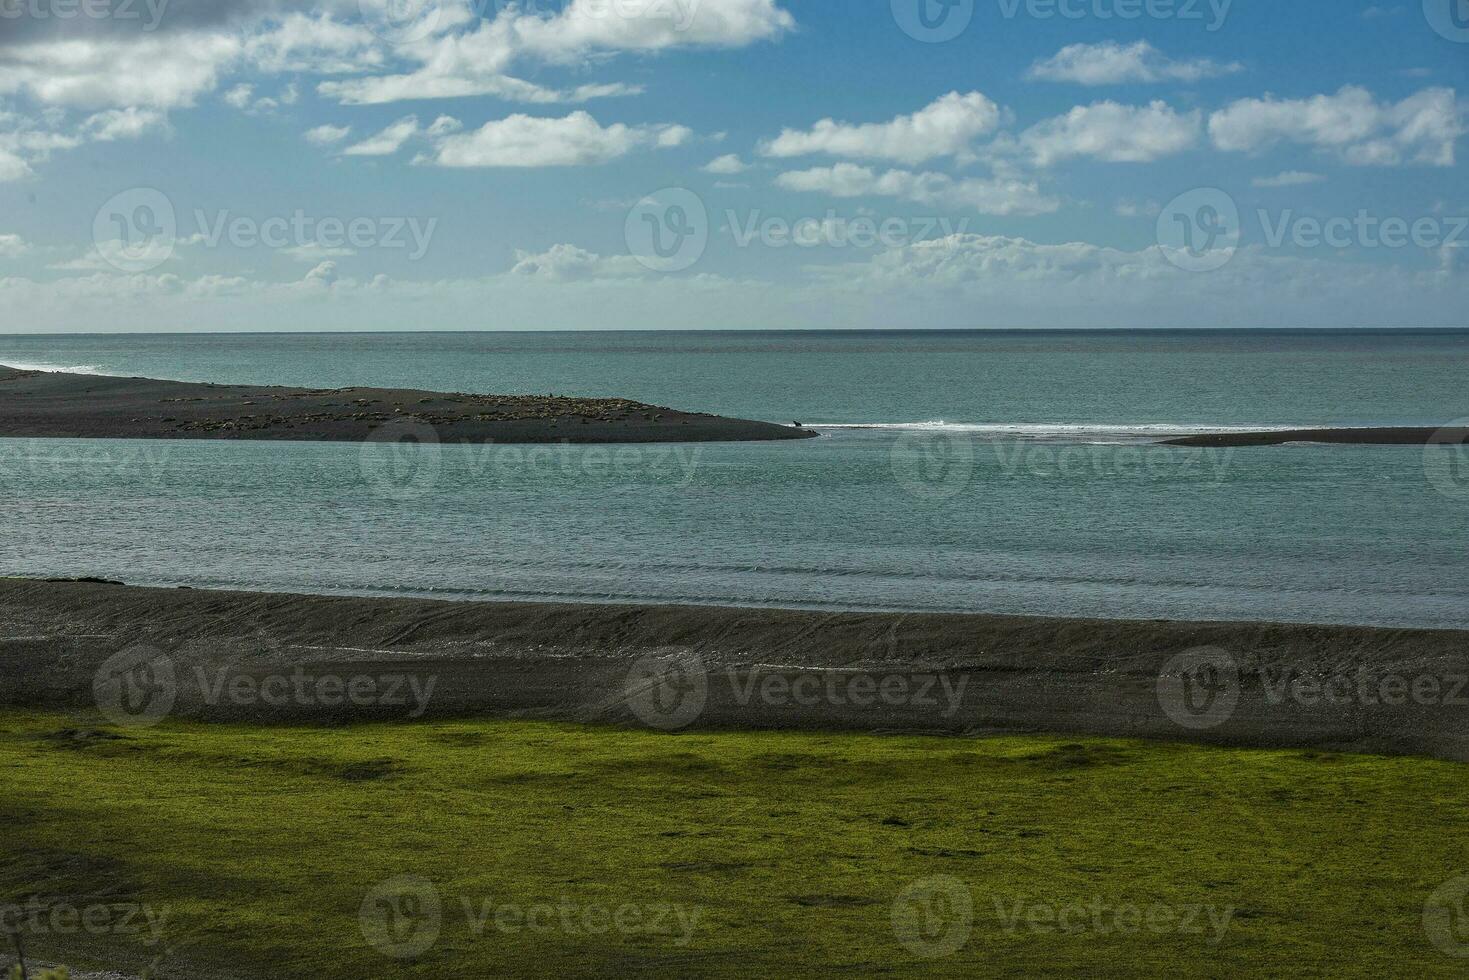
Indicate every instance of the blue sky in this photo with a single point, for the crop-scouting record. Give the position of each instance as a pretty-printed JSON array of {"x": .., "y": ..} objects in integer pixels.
[{"x": 432, "y": 164}]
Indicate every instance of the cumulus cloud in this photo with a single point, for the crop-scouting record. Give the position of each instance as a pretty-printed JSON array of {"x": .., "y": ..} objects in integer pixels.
[
  {"x": 123, "y": 124},
  {"x": 987, "y": 196},
  {"x": 26, "y": 141},
  {"x": 956, "y": 280},
  {"x": 1015, "y": 280},
  {"x": 315, "y": 252},
  {"x": 387, "y": 142},
  {"x": 13, "y": 246},
  {"x": 474, "y": 56},
  {"x": 947, "y": 127},
  {"x": 568, "y": 263},
  {"x": 1351, "y": 124},
  {"x": 324, "y": 275},
  {"x": 326, "y": 135},
  {"x": 531, "y": 141},
  {"x": 319, "y": 45},
  {"x": 161, "y": 72},
  {"x": 1113, "y": 133},
  {"x": 1110, "y": 63},
  {"x": 427, "y": 85},
  {"x": 239, "y": 96},
  {"x": 727, "y": 165},
  {"x": 13, "y": 167}
]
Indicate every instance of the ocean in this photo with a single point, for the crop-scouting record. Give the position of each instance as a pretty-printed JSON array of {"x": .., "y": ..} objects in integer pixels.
[{"x": 1006, "y": 472}]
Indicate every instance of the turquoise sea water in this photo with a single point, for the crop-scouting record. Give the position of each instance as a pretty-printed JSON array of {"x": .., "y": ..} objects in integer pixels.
[{"x": 974, "y": 471}]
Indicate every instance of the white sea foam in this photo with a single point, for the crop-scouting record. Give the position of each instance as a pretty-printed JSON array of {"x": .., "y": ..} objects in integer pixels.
[
  {"x": 60, "y": 368},
  {"x": 1060, "y": 431}
]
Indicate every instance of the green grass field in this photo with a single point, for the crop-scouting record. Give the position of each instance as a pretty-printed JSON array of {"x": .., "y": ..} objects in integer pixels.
[{"x": 554, "y": 849}]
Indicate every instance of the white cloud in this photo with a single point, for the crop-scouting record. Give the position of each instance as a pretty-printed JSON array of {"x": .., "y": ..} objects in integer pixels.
[
  {"x": 387, "y": 142},
  {"x": 13, "y": 246},
  {"x": 673, "y": 135},
  {"x": 588, "y": 26},
  {"x": 1110, "y": 63},
  {"x": 460, "y": 62},
  {"x": 157, "y": 71},
  {"x": 324, "y": 275},
  {"x": 959, "y": 280},
  {"x": 996, "y": 196},
  {"x": 947, "y": 127},
  {"x": 326, "y": 135},
  {"x": 1113, "y": 133},
  {"x": 12, "y": 167},
  {"x": 239, "y": 96},
  {"x": 1352, "y": 124},
  {"x": 1016, "y": 281},
  {"x": 443, "y": 126},
  {"x": 123, "y": 124},
  {"x": 568, "y": 263},
  {"x": 115, "y": 254},
  {"x": 171, "y": 69},
  {"x": 242, "y": 97},
  {"x": 319, "y": 45},
  {"x": 428, "y": 85},
  {"x": 531, "y": 141},
  {"x": 315, "y": 252},
  {"x": 1288, "y": 178},
  {"x": 25, "y": 141},
  {"x": 727, "y": 165}
]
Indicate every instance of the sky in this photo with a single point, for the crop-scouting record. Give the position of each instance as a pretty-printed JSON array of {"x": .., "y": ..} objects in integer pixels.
[{"x": 735, "y": 164}]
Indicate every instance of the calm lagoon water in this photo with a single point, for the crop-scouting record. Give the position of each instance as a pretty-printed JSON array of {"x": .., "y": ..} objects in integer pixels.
[{"x": 1007, "y": 472}]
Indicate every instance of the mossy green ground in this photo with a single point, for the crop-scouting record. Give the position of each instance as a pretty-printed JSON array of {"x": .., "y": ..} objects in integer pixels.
[{"x": 261, "y": 844}]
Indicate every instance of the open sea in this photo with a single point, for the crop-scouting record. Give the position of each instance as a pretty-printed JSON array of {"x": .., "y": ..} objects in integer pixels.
[{"x": 973, "y": 471}]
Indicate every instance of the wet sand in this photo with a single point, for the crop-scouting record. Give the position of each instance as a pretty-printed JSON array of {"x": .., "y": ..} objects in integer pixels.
[
  {"x": 746, "y": 668},
  {"x": 1379, "y": 436},
  {"x": 57, "y": 405}
]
